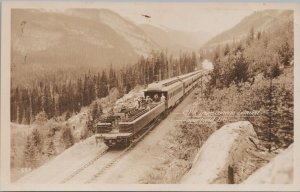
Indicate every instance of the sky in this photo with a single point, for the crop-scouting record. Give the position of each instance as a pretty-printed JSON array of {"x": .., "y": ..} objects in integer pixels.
[{"x": 181, "y": 16}]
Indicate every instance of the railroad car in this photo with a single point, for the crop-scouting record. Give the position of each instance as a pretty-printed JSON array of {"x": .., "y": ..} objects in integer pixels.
[
  {"x": 187, "y": 83},
  {"x": 172, "y": 90}
]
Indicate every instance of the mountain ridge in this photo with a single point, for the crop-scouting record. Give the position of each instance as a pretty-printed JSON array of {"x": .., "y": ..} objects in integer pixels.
[
  {"x": 259, "y": 21},
  {"x": 73, "y": 41}
]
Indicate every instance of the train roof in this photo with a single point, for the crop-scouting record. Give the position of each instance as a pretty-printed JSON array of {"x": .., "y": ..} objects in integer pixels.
[
  {"x": 158, "y": 85},
  {"x": 168, "y": 84},
  {"x": 172, "y": 86}
]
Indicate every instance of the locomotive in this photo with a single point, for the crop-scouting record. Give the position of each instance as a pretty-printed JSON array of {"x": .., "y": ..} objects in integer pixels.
[{"x": 122, "y": 128}]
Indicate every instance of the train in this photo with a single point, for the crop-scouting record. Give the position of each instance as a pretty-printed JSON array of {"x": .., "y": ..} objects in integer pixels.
[{"x": 160, "y": 97}]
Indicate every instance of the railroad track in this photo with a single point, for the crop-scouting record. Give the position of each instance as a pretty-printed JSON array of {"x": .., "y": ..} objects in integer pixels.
[
  {"x": 124, "y": 152},
  {"x": 76, "y": 172},
  {"x": 110, "y": 163}
]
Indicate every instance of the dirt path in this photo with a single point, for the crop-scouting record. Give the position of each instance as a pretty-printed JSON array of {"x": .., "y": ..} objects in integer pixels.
[{"x": 146, "y": 154}]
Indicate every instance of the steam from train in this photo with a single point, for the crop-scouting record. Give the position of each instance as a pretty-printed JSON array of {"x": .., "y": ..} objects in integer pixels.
[{"x": 207, "y": 65}]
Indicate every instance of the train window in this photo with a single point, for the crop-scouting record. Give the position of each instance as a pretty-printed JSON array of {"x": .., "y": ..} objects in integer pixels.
[{"x": 175, "y": 92}]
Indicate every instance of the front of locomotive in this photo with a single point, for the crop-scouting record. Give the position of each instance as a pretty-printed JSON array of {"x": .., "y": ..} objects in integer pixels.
[{"x": 107, "y": 129}]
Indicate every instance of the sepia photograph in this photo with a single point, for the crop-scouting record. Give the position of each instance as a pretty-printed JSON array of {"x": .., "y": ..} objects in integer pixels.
[{"x": 114, "y": 93}]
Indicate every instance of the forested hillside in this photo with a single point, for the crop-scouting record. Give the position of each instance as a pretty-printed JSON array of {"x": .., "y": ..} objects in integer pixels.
[
  {"x": 256, "y": 73},
  {"x": 266, "y": 52},
  {"x": 56, "y": 98}
]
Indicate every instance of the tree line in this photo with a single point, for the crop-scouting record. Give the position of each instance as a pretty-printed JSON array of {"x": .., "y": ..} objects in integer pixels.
[
  {"x": 266, "y": 52},
  {"x": 57, "y": 98}
]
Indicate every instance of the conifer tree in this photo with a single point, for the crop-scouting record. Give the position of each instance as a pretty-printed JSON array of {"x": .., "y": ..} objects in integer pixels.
[
  {"x": 30, "y": 153},
  {"x": 95, "y": 112},
  {"x": 37, "y": 141},
  {"x": 285, "y": 53},
  {"x": 51, "y": 148},
  {"x": 67, "y": 137},
  {"x": 68, "y": 115},
  {"x": 103, "y": 85}
]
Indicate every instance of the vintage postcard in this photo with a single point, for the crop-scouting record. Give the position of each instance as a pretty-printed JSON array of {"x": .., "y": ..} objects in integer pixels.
[{"x": 130, "y": 95}]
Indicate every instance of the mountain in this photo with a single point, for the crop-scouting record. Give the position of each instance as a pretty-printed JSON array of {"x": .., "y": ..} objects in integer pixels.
[
  {"x": 59, "y": 44},
  {"x": 175, "y": 40},
  {"x": 136, "y": 37},
  {"x": 72, "y": 41},
  {"x": 259, "y": 21}
]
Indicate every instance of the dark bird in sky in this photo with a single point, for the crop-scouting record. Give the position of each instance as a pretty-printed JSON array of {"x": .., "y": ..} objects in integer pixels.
[{"x": 147, "y": 16}]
